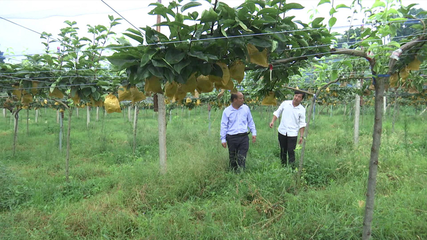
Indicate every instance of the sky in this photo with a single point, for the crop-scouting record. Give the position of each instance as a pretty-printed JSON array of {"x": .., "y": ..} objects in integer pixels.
[{"x": 49, "y": 16}]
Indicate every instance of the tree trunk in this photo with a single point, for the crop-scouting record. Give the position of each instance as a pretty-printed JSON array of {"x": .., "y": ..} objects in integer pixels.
[
  {"x": 4, "y": 112},
  {"x": 373, "y": 162},
  {"x": 162, "y": 133},
  {"x": 129, "y": 113},
  {"x": 77, "y": 112},
  {"x": 57, "y": 116},
  {"x": 67, "y": 161},
  {"x": 135, "y": 127},
  {"x": 356, "y": 116}
]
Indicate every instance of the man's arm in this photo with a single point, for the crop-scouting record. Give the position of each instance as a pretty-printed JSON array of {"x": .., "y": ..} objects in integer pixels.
[
  {"x": 223, "y": 131},
  {"x": 276, "y": 114},
  {"x": 272, "y": 121},
  {"x": 251, "y": 125},
  {"x": 301, "y": 135}
]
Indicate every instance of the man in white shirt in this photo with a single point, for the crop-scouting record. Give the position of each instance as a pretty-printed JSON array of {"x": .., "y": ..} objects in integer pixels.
[
  {"x": 292, "y": 121},
  {"x": 236, "y": 119}
]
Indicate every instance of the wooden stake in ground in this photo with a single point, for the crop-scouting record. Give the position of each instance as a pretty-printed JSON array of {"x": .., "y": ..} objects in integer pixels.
[
  {"x": 162, "y": 132},
  {"x": 356, "y": 116},
  {"x": 15, "y": 134},
  {"x": 67, "y": 161},
  {"x": 135, "y": 127},
  {"x": 36, "y": 118},
  {"x": 61, "y": 127},
  {"x": 87, "y": 116}
]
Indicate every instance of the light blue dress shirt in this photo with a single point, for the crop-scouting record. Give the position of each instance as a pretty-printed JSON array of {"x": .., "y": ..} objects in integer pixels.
[{"x": 235, "y": 121}]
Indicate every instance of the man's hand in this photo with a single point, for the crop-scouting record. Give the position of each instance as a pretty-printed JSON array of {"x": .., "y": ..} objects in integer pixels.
[
  {"x": 271, "y": 124},
  {"x": 253, "y": 139},
  {"x": 224, "y": 144},
  {"x": 300, "y": 140}
]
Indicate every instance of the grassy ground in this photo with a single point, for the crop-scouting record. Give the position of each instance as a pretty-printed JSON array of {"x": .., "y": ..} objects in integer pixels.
[{"x": 115, "y": 194}]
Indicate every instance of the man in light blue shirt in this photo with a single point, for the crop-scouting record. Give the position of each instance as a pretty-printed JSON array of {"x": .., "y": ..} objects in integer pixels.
[
  {"x": 236, "y": 119},
  {"x": 292, "y": 121}
]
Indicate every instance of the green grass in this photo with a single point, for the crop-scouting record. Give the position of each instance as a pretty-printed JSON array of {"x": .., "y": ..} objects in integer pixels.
[{"x": 115, "y": 194}]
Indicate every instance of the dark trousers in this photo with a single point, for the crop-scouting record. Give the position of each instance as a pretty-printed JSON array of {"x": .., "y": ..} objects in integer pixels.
[
  {"x": 287, "y": 148},
  {"x": 238, "y": 146}
]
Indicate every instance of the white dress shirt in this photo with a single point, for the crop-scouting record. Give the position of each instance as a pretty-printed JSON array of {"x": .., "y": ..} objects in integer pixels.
[{"x": 292, "y": 118}]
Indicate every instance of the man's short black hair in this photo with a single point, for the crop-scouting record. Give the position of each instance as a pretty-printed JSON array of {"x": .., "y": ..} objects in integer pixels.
[{"x": 299, "y": 92}]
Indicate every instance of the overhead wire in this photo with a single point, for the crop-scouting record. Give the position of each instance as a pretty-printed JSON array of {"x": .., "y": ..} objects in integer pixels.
[
  {"x": 121, "y": 16},
  {"x": 218, "y": 38},
  {"x": 20, "y": 25},
  {"x": 222, "y": 37}
]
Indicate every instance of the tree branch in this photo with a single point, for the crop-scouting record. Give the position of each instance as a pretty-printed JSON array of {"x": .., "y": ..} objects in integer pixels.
[
  {"x": 296, "y": 89},
  {"x": 404, "y": 48}
]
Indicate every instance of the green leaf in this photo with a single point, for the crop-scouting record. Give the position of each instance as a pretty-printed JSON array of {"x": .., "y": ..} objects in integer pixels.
[
  {"x": 73, "y": 91},
  {"x": 180, "y": 65},
  {"x": 378, "y": 3},
  {"x": 86, "y": 92},
  {"x": 242, "y": 25},
  {"x": 261, "y": 42},
  {"x": 332, "y": 11},
  {"x": 161, "y": 10},
  {"x": 190, "y": 5},
  {"x": 216, "y": 70},
  {"x": 266, "y": 11},
  {"x": 155, "y": 71},
  {"x": 323, "y": 2},
  {"x": 302, "y": 42},
  {"x": 205, "y": 68},
  {"x": 174, "y": 56},
  {"x": 96, "y": 96},
  {"x": 317, "y": 23},
  {"x": 159, "y": 63},
  {"x": 111, "y": 17},
  {"x": 332, "y": 21},
  {"x": 342, "y": 6},
  {"x": 203, "y": 56},
  {"x": 274, "y": 45},
  {"x": 147, "y": 57},
  {"x": 135, "y": 37},
  {"x": 365, "y": 33},
  {"x": 223, "y": 32},
  {"x": 348, "y": 63},
  {"x": 290, "y": 6},
  {"x": 209, "y": 16},
  {"x": 142, "y": 73},
  {"x": 398, "y": 20},
  {"x": 334, "y": 75},
  {"x": 394, "y": 43},
  {"x": 122, "y": 61},
  {"x": 168, "y": 75}
]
